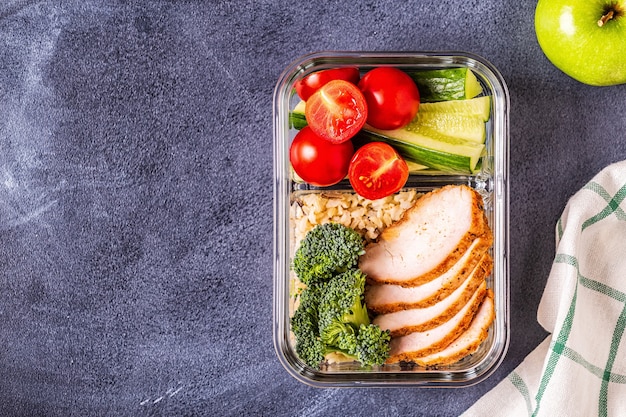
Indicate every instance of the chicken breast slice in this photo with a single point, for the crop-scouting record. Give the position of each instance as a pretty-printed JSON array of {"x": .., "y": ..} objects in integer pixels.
[
  {"x": 429, "y": 239},
  {"x": 403, "y": 322},
  {"x": 468, "y": 342},
  {"x": 419, "y": 344},
  {"x": 388, "y": 298}
]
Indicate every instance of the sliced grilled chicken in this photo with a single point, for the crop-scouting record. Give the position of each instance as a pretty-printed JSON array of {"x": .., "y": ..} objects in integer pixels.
[
  {"x": 403, "y": 322},
  {"x": 468, "y": 342},
  {"x": 429, "y": 239},
  {"x": 419, "y": 344},
  {"x": 388, "y": 298}
]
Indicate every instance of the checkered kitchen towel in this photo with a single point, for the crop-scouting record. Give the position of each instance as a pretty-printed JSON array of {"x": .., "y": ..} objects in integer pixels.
[{"x": 580, "y": 369}]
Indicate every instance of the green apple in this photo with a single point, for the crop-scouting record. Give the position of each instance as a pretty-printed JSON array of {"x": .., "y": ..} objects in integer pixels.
[{"x": 586, "y": 39}]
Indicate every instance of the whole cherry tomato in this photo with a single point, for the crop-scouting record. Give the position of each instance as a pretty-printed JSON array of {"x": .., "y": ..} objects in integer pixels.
[
  {"x": 318, "y": 161},
  {"x": 392, "y": 97},
  {"x": 305, "y": 87}
]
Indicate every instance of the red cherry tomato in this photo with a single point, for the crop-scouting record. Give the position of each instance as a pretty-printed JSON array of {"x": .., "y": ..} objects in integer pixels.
[
  {"x": 392, "y": 97},
  {"x": 377, "y": 170},
  {"x": 308, "y": 85},
  {"x": 318, "y": 161},
  {"x": 337, "y": 111}
]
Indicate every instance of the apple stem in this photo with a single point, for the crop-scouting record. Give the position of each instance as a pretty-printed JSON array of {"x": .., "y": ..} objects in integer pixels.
[{"x": 606, "y": 18}]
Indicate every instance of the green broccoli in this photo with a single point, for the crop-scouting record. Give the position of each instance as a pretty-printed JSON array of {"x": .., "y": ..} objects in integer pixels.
[
  {"x": 305, "y": 327},
  {"x": 344, "y": 324},
  {"x": 332, "y": 318},
  {"x": 327, "y": 250},
  {"x": 372, "y": 344},
  {"x": 341, "y": 309}
]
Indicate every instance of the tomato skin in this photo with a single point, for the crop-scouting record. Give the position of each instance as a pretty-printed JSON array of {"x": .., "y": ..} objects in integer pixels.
[
  {"x": 377, "y": 170},
  {"x": 337, "y": 111},
  {"x": 305, "y": 87},
  {"x": 318, "y": 161},
  {"x": 392, "y": 97}
]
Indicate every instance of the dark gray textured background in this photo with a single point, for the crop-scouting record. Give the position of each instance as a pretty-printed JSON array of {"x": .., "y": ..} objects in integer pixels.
[{"x": 136, "y": 195}]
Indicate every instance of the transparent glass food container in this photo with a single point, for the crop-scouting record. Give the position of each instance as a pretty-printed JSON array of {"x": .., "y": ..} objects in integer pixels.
[{"x": 491, "y": 181}]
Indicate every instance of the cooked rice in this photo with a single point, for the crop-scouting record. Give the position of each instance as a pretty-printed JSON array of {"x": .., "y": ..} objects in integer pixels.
[{"x": 368, "y": 217}]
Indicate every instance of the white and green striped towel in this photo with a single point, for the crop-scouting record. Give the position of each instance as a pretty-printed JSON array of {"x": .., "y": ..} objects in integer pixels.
[{"x": 580, "y": 369}]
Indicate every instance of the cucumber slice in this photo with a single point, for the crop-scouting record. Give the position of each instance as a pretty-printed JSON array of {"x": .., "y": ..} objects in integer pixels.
[
  {"x": 297, "y": 119},
  {"x": 450, "y": 124},
  {"x": 474, "y": 107},
  {"x": 300, "y": 107},
  {"x": 430, "y": 148},
  {"x": 446, "y": 84},
  {"x": 415, "y": 167},
  {"x": 472, "y": 86}
]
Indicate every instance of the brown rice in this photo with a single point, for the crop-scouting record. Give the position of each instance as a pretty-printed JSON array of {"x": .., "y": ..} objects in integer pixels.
[{"x": 368, "y": 217}]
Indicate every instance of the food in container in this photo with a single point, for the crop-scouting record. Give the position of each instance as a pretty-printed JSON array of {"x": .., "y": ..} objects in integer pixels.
[{"x": 447, "y": 326}]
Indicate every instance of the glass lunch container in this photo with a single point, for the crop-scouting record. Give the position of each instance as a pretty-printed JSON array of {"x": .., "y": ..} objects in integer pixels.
[{"x": 490, "y": 180}]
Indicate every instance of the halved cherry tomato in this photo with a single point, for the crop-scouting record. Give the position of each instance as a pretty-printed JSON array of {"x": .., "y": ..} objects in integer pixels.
[
  {"x": 377, "y": 170},
  {"x": 308, "y": 85},
  {"x": 392, "y": 97},
  {"x": 318, "y": 161},
  {"x": 337, "y": 111}
]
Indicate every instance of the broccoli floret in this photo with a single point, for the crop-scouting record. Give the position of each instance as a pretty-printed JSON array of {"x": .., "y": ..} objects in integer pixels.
[
  {"x": 344, "y": 324},
  {"x": 309, "y": 347},
  {"x": 372, "y": 345},
  {"x": 332, "y": 318},
  {"x": 327, "y": 250},
  {"x": 341, "y": 308},
  {"x": 305, "y": 327}
]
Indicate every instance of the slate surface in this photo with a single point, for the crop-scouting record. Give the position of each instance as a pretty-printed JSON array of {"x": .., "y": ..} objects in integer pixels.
[{"x": 136, "y": 195}]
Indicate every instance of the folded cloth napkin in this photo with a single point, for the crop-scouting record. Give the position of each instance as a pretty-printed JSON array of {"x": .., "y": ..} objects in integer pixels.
[{"x": 580, "y": 368}]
